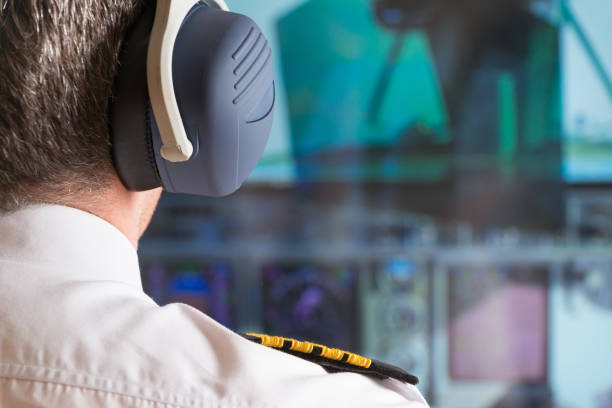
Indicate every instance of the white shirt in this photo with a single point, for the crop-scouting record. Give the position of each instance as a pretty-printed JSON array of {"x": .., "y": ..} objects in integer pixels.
[{"x": 76, "y": 330}]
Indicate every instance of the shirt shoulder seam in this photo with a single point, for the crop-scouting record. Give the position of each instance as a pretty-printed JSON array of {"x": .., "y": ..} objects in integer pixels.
[
  {"x": 26, "y": 372},
  {"x": 92, "y": 389}
]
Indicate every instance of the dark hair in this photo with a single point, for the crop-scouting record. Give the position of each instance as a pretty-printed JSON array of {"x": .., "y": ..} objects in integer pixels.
[{"x": 58, "y": 59}]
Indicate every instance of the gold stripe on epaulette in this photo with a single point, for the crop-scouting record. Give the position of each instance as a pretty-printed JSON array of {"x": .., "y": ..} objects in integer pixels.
[
  {"x": 332, "y": 353},
  {"x": 308, "y": 347},
  {"x": 301, "y": 346},
  {"x": 269, "y": 341},
  {"x": 358, "y": 360},
  {"x": 337, "y": 354}
]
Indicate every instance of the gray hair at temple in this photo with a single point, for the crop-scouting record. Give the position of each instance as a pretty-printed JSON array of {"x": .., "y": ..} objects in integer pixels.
[{"x": 58, "y": 61}]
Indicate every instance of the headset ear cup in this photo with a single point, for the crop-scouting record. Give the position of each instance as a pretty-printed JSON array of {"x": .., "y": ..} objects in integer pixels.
[
  {"x": 223, "y": 80},
  {"x": 130, "y": 111}
]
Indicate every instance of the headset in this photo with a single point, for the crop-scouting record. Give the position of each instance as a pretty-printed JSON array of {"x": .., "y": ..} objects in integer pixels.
[{"x": 194, "y": 98}]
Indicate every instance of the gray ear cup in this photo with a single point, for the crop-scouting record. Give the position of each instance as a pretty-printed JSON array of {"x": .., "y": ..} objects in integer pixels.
[
  {"x": 130, "y": 112},
  {"x": 224, "y": 85}
]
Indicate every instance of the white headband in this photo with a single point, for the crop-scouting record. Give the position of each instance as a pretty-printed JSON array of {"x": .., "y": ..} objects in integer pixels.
[{"x": 169, "y": 16}]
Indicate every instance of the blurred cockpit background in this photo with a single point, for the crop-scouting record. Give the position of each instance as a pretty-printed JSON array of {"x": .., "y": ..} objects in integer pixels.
[{"x": 436, "y": 194}]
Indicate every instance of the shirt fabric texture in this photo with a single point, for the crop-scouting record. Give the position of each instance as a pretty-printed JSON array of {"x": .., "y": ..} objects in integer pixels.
[{"x": 77, "y": 330}]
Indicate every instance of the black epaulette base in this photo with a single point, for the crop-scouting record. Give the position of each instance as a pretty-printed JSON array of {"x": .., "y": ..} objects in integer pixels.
[{"x": 332, "y": 359}]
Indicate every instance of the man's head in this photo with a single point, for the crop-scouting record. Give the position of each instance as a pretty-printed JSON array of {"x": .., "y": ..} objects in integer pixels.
[{"x": 58, "y": 60}]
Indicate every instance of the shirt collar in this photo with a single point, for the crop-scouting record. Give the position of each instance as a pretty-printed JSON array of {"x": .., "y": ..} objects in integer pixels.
[{"x": 70, "y": 244}]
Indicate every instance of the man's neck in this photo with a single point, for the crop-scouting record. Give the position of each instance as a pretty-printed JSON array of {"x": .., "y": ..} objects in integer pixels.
[{"x": 130, "y": 212}]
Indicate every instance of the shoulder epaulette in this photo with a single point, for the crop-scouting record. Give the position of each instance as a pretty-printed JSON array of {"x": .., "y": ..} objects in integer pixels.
[{"x": 332, "y": 359}]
